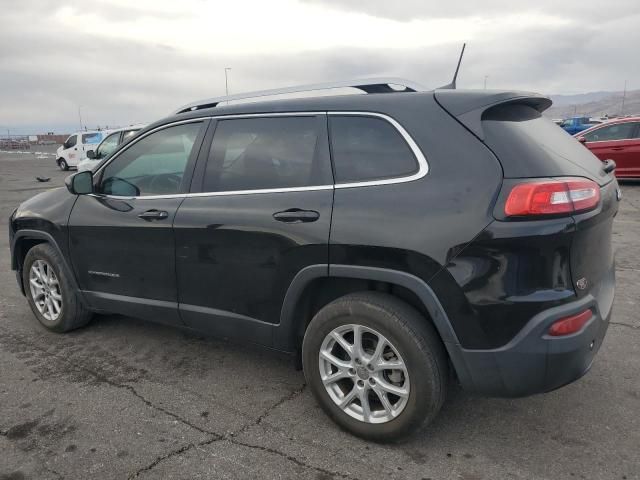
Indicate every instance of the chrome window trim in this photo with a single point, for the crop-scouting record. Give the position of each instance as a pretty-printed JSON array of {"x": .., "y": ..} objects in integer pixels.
[{"x": 423, "y": 166}]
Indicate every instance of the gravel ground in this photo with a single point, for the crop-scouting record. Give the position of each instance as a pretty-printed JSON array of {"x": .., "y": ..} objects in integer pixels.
[{"x": 124, "y": 398}]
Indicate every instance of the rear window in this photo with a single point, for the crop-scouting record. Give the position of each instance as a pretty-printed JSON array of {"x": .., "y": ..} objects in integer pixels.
[
  {"x": 531, "y": 145},
  {"x": 368, "y": 148}
]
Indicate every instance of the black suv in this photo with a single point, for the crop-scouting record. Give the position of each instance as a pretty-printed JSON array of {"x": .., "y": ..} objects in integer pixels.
[{"x": 392, "y": 241}]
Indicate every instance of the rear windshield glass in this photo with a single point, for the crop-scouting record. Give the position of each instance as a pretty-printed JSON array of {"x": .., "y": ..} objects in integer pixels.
[{"x": 531, "y": 145}]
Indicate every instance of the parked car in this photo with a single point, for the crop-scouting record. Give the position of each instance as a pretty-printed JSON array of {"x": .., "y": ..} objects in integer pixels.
[
  {"x": 618, "y": 140},
  {"x": 577, "y": 124},
  {"x": 75, "y": 148},
  {"x": 389, "y": 242},
  {"x": 107, "y": 146}
]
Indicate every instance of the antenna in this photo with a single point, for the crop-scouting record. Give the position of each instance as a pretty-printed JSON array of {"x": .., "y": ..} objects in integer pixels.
[{"x": 452, "y": 85}]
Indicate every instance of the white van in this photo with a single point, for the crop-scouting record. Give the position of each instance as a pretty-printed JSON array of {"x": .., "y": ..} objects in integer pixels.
[
  {"x": 75, "y": 148},
  {"x": 95, "y": 155}
]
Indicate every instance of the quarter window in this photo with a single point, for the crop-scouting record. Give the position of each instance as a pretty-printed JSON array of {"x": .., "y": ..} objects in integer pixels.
[
  {"x": 266, "y": 153},
  {"x": 152, "y": 166},
  {"x": 619, "y": 131},
  {"x": 368, "y": 148}
]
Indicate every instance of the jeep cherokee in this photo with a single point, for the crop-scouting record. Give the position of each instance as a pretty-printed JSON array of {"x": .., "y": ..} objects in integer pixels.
[{"x": 391, "y": 241}]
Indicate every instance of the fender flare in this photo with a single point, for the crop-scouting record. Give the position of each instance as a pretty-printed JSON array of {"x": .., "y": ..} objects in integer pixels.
[
  {"x": 283, "y": 338},
  {"x": 284, "y": 334},
  {"x": 48, "y": 238}
]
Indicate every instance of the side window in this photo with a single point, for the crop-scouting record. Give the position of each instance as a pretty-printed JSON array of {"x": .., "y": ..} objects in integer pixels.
[
  {"x": 71, "y": 141},
  {"x": 620, "y": 131},
  {"x": 91, "y": 138},
  {"x": 267, "y": 152},
  {"x": 368, "y": 148},
  {"x": 152, "y": 166},
  {"x": 108, "y": 145}
]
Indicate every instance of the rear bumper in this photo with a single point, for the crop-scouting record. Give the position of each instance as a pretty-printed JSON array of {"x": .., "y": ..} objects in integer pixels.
[{"x": 534, "y": 362}]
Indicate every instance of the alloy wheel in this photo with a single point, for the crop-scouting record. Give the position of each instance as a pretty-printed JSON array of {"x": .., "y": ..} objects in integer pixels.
[
  {"x": 364, "y": 374},
  {"x": 45, "y": 290}
]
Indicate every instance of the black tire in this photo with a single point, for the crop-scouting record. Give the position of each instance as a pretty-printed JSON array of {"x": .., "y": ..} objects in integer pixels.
[
  {"x": 411, "y": 334},
  {"x": 72, "y": 314},
  {"x": 62, "y": 163}
]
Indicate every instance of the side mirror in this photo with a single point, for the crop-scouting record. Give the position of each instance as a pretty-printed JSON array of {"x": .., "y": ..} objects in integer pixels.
[
  {"x": 581, "y": 139},
  {"x": 80, "y": 183},
  {"x": 91, "y": 154}
]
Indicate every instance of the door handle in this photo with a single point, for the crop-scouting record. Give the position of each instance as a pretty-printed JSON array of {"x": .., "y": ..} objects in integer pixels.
[
  {"x": 296, "y": 215},
  {"x": 617, "y": 148},
  {"x": 153, "y": 215}
]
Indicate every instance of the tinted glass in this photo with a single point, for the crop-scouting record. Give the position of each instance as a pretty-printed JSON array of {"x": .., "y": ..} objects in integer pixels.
[
  {"x": 528, "y": 144},
  {"x": 368, "y": 148},
  {"x": 71, "y": 141},
  {"x": 259, "y": 153},
  {"x": 154, "y": 165},
  {"x": 108, "y": 145},
  {"x": 91, "y": 138},
  {"x": 619, "y": 131}
]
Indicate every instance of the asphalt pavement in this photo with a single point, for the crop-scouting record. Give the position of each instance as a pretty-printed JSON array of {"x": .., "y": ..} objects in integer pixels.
[{"x": 123, "y": 398}]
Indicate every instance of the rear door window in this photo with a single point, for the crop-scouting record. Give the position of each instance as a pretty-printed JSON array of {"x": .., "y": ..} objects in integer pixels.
[
  {"x": 368, "y": 148},
  {"x": 267, "y": 153}
]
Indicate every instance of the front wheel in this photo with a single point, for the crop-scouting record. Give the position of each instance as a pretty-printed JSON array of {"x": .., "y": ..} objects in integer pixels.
[
  {"x": 62, "y": 163},
  {"x": 376, "y": 366},
  {"x": 52, "y": 298}
]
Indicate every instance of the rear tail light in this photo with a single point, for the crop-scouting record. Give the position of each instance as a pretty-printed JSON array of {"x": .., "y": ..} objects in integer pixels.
[
  {"x": 569, "y": 325},
  {"x": 552, "y": 197}
]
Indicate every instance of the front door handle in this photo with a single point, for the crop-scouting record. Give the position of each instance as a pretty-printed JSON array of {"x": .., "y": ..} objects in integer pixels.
[
  {"x": 617, "y": 148},
  {"x": 153, "y": 215},
  {"x": 296, "y": 215}
]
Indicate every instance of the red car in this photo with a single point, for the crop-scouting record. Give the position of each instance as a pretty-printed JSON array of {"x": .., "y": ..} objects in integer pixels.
[{"x": 618, "y": 140}]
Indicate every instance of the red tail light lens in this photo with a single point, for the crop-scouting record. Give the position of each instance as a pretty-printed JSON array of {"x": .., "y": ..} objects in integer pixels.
[
  {"x": 569, "y": 325},
  {"x": 550, "y": 197}
]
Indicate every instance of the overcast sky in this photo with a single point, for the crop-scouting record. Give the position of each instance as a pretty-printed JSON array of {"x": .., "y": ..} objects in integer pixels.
[{"x": 128, "y": 61}]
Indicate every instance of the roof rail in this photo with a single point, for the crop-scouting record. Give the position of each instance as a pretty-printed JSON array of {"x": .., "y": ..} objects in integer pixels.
[{"x": 369, "y": 85}]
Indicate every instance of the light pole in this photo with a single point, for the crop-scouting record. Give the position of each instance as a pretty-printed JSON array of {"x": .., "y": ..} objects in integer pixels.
[
  {"x": 624, "y": 96},
  {"x": 485, "y": 81},
  {"x": 226, "y": 80},
  {"x": 80, "y": 116}
]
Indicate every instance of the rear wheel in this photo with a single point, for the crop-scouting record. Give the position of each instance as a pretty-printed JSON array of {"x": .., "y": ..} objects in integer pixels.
[
  {"x": 53, "y": 300},
  {"x": 375, "y": 365},
  {"x": 62, "y": 163}
]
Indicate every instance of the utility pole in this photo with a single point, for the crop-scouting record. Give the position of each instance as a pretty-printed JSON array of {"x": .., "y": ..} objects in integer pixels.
[
  {"x": 485, "y": 81},
  {"x": 624, "y": 96},
  {"x": 80, "y": 116},
  {"x": 226, "y": 81}
]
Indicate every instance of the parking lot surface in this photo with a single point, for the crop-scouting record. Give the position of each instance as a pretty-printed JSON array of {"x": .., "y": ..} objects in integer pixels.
[{"x": 123, "y": 398}]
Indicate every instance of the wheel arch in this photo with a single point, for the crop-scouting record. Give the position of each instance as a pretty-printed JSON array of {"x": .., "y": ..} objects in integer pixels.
[
  {"x": 25, "y": 240},
  {"x": 307, "y": 294}
]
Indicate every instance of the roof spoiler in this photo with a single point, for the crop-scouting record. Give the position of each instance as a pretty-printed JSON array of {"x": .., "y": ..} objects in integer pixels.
[{"x": 468, "y": 106}]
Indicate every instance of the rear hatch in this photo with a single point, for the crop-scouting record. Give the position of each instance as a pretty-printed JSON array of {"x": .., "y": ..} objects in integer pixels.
[{"x": 529, "y": 145}]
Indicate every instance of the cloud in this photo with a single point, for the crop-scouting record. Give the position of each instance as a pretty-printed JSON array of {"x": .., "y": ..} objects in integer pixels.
[{"x": 47, "y": 72}]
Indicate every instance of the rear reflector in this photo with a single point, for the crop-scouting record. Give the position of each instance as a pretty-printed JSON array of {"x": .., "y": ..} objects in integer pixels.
[
  {"x": 552, "y": 197},
  {"x": 569, "y": 325}
]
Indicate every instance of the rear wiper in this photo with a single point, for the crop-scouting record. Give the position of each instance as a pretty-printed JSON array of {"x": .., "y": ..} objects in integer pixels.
[{"x": 609, "y": 166}]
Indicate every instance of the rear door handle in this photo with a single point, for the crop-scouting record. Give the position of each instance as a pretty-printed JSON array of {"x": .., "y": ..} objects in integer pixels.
[
  {"x": 153, "y": 215},
  {"x": 617, "y": 148},
  {"x": 296, "y": 215}
]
